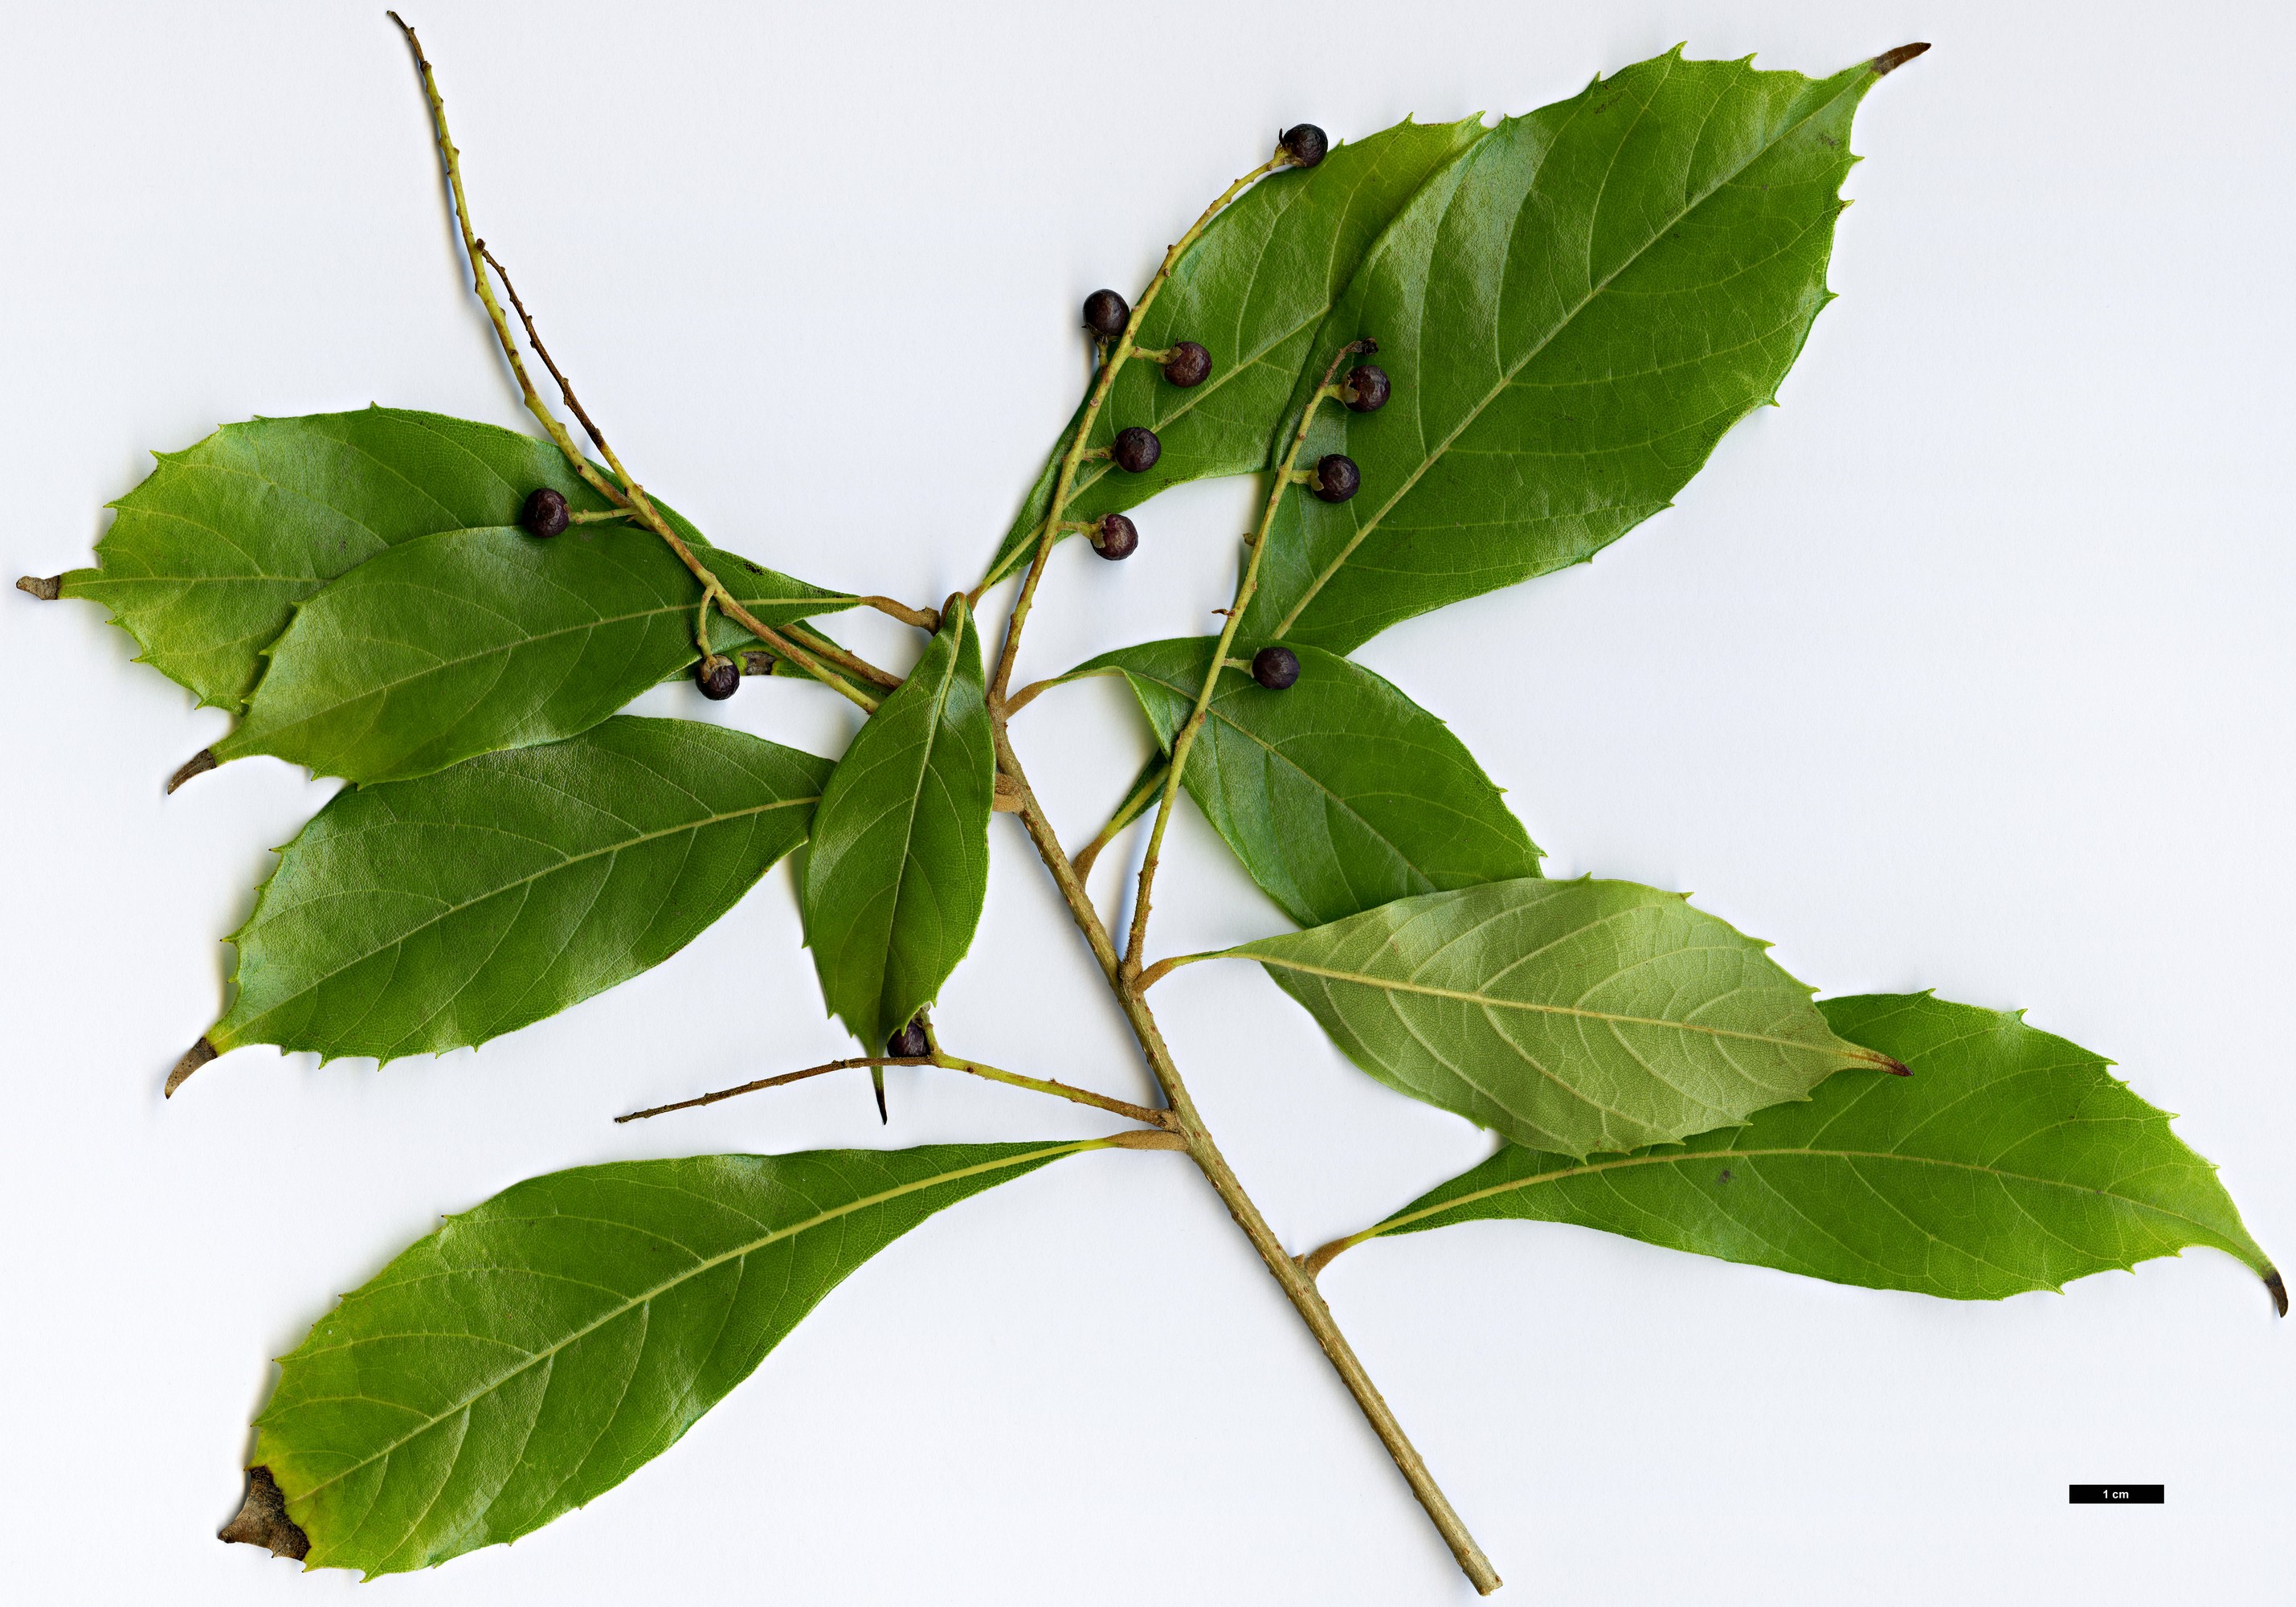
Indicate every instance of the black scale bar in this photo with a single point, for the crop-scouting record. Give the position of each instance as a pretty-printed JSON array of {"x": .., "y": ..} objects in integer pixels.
[{"x": 2120, "y": 1495}]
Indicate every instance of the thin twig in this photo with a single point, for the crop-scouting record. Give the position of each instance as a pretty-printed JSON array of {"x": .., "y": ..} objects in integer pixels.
[
  {"x": 1110, "y": 367},
  {"x": 980, "y": 1069},
  {"x": 1187, "y": 1126},
  {"x": 1123, "y": 815},
  {"x": 1246, "y": 584},
  {"x": 628, "y": 493},
  {"x": 853, "y": 662}
]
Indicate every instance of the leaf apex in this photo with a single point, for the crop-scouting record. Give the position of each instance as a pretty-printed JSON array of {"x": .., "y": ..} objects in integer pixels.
[
  {"x": 1889, "y": 60},
  {"x": 262, "y": 1520},
  {"x": 199, "y": 1054},
  {"x": 199, "y": 763},
  {"x": 47, "y": 588},
  {"x": 2271, "y": 1280}
]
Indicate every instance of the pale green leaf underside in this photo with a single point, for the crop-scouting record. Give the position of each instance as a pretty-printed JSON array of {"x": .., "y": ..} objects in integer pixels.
[
  {"x": 419, "y": 917},
  {"x": 468, "y": 642},
  {"x": 1573, "y": 1016},
  {"x": 1252, "y": 290},
  {"x": 2010, "y": 1160},
  {"x": 1338, "y": 794},
  {"x": 534, "y": 1352},
  {"x": 897, "y": 868},
  {"x": 1573, "y": 314},
  {"x": 209, "y": 555}
]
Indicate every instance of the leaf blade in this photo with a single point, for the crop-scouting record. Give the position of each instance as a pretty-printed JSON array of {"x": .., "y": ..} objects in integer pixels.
[
  {"x": 1576, "y": 1010},
  {"x": 1339, "y": 794},
  {"x": 1573, "y": 314},
  {"x": 411, "y": 1426},
  {"x": 467, "y": 642},
  {"x": 897, "y": 869},
  {"x": 419, "y": 917},
  {"x": 1982, "y": 1174}
]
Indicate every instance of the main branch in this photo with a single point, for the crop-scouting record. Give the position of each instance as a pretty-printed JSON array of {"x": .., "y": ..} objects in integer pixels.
[{"x": 1188, "y": 1124}]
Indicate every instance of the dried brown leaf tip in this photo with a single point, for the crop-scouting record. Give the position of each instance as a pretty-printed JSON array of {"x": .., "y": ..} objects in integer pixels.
[
  {"x": 2271, "y": 1280},
  {"x": 47, "y": 588},
  {"x": 199, "y": 1054},
  {"x": 1889, "y": 60},
  {"x": 262, "y": 1520},
  {"x": 199, "y": 763}
]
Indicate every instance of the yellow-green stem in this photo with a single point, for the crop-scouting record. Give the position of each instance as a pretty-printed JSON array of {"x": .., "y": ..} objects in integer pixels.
[{"x": 1246, "y": 584}]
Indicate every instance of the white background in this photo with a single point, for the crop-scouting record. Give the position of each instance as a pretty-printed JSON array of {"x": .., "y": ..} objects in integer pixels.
[{"x": 1968, "y": 667}]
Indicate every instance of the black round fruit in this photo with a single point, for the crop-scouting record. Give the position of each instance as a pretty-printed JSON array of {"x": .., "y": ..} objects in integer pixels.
[
  {"x": 1306, "y": 145},
  {"x": 1106, "y": 314},
  {"x": 719, "y": 678},
  {"x": 910, "y": 1042},
  {"x": 1275, "y": 667},
  {"x": 1117, "y": 536},
  {"x": 1337, "y": 477},
  {"x": 1136, "y": 450},
  {"x": 1188, "y": 364},
  {"x": 544, "y": 514},
  {"x": 1368, "y": 383}
]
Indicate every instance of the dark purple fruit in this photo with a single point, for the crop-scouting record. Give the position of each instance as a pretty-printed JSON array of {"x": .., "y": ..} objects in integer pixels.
[
  {"x": 1306, "y": 145},
  {"x": 910, "y": 1042},
  {"x": 1117, "y": 536},
  {"x": 1366, "y": 389},
  {"x": 1188, "y": 364},
  {"x": 1275, "y": 667},
  {"x": 1106, "y": 314},
  {"x": 719, "y": 678},
  {"x": 544, "y": 514},
  {"x": 1337, "y": 477},
  {"x": 1136, "y": 450}
]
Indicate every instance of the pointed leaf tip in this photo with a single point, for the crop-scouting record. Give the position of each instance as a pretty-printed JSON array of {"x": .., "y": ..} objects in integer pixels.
[
  {"x": 2272, "y": 1281},
  {"x": 199, "y": 763},
  {"x": 199, "y": 1054},
  {"x": 47, "y": 588},
  {"x": 1889, "y": 60},
  {"x": 262, "y": 1520}
]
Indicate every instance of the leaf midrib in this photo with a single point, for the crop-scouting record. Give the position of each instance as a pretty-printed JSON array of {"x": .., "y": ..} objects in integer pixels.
[
  {"x": 567, "y": 862},
  {"x": 1687, "y": 1157},
  {"x": 1506, "y": 378},
  {"x": 748, "y": 1248},
  {"x": 1486, "y": 1001},
  {"x": 441, "y": 666}
]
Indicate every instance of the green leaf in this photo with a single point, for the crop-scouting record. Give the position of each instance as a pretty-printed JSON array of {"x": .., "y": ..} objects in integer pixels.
[
  {"x": 1571, "y": 1015},
  {"x": 1252, "y": 290},
  {"x": 2009, "y": 1161},
  {"x": 534, "y": 1352},
  {"x": 899, "y": 865},
  {"x": 470, "y": 640},
  {"x": 1339, "y": 794},
  {"x": 419, "y": 917},
  {"x": 208, "y": 557},
  {"x": 1573, "y": 314}
]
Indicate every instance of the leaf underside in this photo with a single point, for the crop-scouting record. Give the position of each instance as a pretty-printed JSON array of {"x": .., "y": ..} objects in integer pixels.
[
  {"x": 1252, "y": 290},
  {"x": 1565, "y": 1014},
  {"x": 468, "y": 642},
  {"x": 534, "y": 1352},
  {"x": 898, "y": 867},
  {"x": 2010, "y": 1160},
  {"x": 419, "y": 917},
  {"x": 1573, "y": 314},
  {"x": 1339, "y": 794}
]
